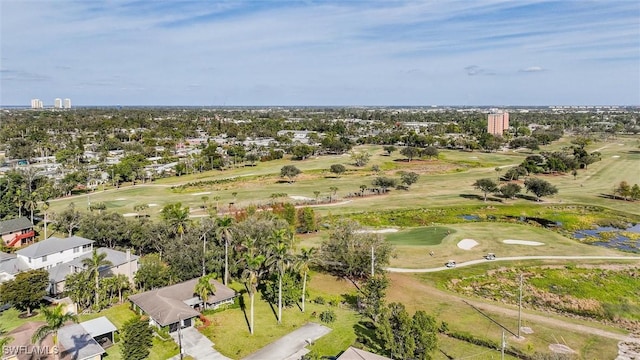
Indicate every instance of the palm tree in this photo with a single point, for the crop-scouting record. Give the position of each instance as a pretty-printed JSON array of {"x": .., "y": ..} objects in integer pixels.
[
  {"x": 204, "y": 288},
  {"x": 176, "y": 216},
  {"x": 93, "y": 265},
  {"x": 279, "y": 259},
  {"x": 31, "y": 203},
  {"x": 55, "y": 318},
  {"x": 224, "y": 233},
  {"x": 306, "y": 257},
  {"x": 121, "y": 282},
  {"x": 251, "y": 276}
]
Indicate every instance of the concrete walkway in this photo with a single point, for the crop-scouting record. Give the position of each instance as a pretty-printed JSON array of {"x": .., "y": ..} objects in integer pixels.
[
  {"x": 196, "y": 345},
  {"x": 291, "y": 346}
]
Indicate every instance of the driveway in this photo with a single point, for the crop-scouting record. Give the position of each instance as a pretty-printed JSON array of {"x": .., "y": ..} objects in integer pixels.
[
  {"x": 196, "y": 345},
  {"x": 292, "y": 345}
]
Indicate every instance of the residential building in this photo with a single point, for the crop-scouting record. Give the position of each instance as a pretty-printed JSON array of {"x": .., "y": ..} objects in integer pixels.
[
  {"x": 122, "y": 263},
  {"x": 84, "y": 341},
  {"x": 497, "y": 123},
  {"x": 36, "y": 104},
  {"x": 57, "y": 103},
  {"x": 54, "y": 251},
  {"x": 61, "y": 257},
  {"x": 67, "y": 103},
  {"x": 357, "y": 354},
  {"x": 10, "y": 266},
  {"x": 17, "y": 232},
  {"x": 175, "y": 306}
]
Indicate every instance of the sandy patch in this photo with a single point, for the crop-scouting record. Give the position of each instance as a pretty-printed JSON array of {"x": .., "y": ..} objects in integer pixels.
[
  {"x": 201, "y": 193},
  {"x": 130, "y": 214},
  {"x": 467, "y": 244},
  {"x": 381, "y": 231},
  {"x": 121, "y": 199},
  {"x": 152, "y": 205},
  {"x": 473, "y": 157},
  {"x": 522, "y": 242},
  {"x": 295, "y": 197},
  {"x": 615, "y": 156}
]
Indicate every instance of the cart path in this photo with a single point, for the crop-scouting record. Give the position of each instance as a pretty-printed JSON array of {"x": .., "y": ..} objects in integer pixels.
[{"x": 512, "y": 258}]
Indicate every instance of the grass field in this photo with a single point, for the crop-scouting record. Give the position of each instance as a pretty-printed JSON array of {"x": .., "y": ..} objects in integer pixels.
[{"x": 445, "y": 183}]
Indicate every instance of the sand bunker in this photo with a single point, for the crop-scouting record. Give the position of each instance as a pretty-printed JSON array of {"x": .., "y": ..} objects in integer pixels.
[
  {"x": 130, "y": 214},
  {"x": 467, "y": 244},
  {"x": 296, "y": 197},
  {"x": 201, "y": 193},
  {"x": 522, "y": 242},
  {"x": 121, "y": 199},
  {"x": 381, "y": 231},
  {"x": 152, "y": 205},
  {"x": 615, "y": 156}
]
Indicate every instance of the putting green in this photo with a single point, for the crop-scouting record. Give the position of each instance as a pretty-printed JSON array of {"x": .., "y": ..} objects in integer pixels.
[{"x": 431, "y": 235}]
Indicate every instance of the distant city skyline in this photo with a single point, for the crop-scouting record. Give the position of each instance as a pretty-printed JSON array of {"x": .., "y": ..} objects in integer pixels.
[{"x": 381, "y": 53}]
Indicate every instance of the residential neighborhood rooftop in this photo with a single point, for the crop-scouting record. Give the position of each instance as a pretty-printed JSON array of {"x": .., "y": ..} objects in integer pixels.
[
  {"x": 13, "y": 225},
  {"x": 77, "y": 344},
  {"x": 53, "y": 245},
  {"x": 167, "y": 305},
  {"x": 357, "y": 354}
]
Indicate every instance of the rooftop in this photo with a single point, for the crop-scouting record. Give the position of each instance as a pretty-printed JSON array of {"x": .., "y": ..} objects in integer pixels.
[
  {"x": 98, "y": 326},
  {"x": 167, "y": 305},
  {"x": 13, "y": 225},
  {"x": 52, "y": 245}
]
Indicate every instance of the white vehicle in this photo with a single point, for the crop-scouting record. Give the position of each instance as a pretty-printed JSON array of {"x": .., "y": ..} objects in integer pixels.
[
  {"x": 490, "y": 256},
  {"x": 450, "y": 264}
]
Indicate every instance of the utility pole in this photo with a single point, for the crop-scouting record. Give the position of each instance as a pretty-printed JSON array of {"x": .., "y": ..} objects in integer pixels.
[
  {"x": 502, "y": 346},
  {"x": 373, "y": 260},
  {"x": 180, "y": 337},
  {"x": 204, "y": 252},
  {"x": 504, "y": 342},
  {"x": 520, "y": 307}
]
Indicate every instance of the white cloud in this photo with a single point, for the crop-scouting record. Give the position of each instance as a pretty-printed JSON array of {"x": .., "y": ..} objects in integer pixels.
[{"x": 532, "y": 69}]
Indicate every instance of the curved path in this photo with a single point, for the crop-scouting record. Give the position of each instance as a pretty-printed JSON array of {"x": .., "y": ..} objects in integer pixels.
[{"x": 513, "y": 258}]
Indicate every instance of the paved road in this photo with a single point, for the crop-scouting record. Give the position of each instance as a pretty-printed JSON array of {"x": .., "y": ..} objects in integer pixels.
[
  {"x": 293, "y": 343},
  {"x": 513, "y": 258}
]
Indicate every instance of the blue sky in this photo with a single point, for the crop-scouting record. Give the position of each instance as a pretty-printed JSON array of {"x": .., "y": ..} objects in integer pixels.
[{"x": 312, "y": 52}]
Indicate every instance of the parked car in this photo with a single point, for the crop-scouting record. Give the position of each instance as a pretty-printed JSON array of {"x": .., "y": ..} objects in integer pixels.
[
  {"x": 450, "y": 264},
  {"x": 490, "y": 256}
]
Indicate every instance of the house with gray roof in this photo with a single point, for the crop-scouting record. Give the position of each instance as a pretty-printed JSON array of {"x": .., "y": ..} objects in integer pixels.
[
  {"x": 10, "y": 265},
  {"x": 84, "y": 341},
  {"x": 123, "y": 263},
  {"x": 54, "y": 251},
  {"x": 175, "y": 306},
  {"x": 17, "y": 232},
  {"x": 61, "y": 257},
  {"x": 357, "y": 354}
]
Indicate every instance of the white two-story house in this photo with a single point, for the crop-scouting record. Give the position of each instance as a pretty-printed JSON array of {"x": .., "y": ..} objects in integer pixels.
[
  {"x": 54, "y": 251},
  {"x": 62, "y": 257}
]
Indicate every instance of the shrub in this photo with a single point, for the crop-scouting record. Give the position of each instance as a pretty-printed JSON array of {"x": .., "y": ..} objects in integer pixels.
[
  {"x": 328, "y": 316},
  {"x": 319, "y": 300}
]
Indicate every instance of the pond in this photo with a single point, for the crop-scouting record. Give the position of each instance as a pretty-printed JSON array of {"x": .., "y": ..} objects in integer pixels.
[
  {"x": 470, "y": 217},
  {"x": 615, "y": 238}
]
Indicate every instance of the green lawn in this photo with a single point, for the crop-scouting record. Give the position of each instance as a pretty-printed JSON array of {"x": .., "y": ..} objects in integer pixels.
[{"x": 229, "y": 329}]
